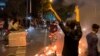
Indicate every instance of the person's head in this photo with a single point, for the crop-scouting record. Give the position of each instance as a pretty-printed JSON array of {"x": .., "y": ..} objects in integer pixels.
[
  {"x": 55, "y": 22},
  {"x": 95, "y": 27},
  {"x": 71, "y": 24},
  {"x": 53, "y": 28}
]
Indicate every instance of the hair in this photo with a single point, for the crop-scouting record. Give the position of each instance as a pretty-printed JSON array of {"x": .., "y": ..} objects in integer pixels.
[
  {"x": 95, "y": 26},
  {"x": 15, "y": 20},
  {"x": 71, "y": 23}
]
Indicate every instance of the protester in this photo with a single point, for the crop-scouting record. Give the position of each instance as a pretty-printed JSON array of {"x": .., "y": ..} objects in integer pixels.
[
  {"x": 52, "y": 29},
  {"x": 92, "y": 41},
  {"x": 73, "y": 33},
  {"x": 57, "y": 37}
]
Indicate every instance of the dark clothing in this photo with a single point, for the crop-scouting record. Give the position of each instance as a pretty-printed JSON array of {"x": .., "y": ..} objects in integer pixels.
[
  {"x": 71, "y": 39},
  {"x": 92, "y": 44},
  {"x": 26, "y": 23}
]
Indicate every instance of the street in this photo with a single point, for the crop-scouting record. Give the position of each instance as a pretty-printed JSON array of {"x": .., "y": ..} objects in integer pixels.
[{"x": 36, "y": 40}]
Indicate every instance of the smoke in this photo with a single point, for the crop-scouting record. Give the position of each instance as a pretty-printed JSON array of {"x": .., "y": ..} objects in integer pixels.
[{"x": 67, "y": 2}]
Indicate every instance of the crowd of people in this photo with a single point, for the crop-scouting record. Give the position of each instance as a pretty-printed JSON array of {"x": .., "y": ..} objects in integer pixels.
[
  {"x": 11, "y": 25},
  {"x": 72, "y": 35},
  {"x": 14, "y": 24}
]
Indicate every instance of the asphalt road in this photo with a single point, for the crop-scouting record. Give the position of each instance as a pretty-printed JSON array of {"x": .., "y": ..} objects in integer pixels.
[{"x": 36, "y": 40}]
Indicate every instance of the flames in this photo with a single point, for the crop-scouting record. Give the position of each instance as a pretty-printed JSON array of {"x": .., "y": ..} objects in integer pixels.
[{"x": 49, "y": 50}]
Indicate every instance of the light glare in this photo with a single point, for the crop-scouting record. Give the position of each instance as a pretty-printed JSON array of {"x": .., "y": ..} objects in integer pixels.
[{"x": 51, "y": 1}]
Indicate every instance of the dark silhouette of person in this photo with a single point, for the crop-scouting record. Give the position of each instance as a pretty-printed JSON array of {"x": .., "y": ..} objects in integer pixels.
[
  {"x": 92, "y": 41},
  {"x": 73, "y": 33}
]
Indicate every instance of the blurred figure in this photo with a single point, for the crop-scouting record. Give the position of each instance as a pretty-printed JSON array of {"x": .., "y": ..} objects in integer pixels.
[
  {"x": 3, "y": 33},
  {"x": 26, "y": 23},
  {"x": 48, "y": 23},
  {"x": 73, "y": 34},
  {"x": 1, "y": 24},
  {"x": 13, "y": 25},
  {"x": 1, "y": 29},
  {"x": 53, "y": 29},
  {"x": 92, "y": 41},
  {"x": 10, "y": 24},
  {"x": 57, "y": 37}
]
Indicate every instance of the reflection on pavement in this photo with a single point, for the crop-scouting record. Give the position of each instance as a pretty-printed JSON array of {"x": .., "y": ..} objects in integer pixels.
[{"x": 36, "y": 45}]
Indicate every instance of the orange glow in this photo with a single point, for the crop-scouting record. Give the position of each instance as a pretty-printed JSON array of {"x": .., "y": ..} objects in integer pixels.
[
  {"x": 54, "y": 47},
  {"x": 80, "y": 50},
  {"x": 46, "y": 48},
  {"x": 51, "y": 1},
  {"x": 49, "y": 52},
  {"x": 42, "y": 55},
  {"x": 36, "y": 55},
  {"x": 82, "y": 46}
]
